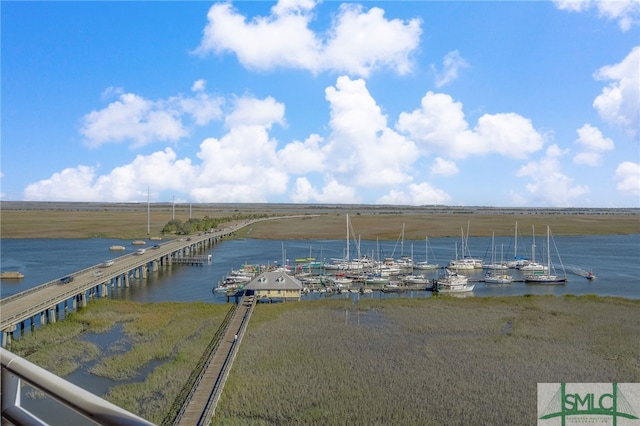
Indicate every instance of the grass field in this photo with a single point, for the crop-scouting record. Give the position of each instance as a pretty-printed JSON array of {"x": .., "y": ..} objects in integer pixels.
[
  {"x": 432, "y": 361},
  {"x": 424, "y": 362},
  {"x": 40, "y": 220}
]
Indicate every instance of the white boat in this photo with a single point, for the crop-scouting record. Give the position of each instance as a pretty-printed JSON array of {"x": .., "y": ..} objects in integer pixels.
[
  {"x": 466, "y": 261},
  {"x": 545, "y": 276},
  {"x": 415, "y": 279},
  {"x": 493, "y": 276},
  {"x": 392, "y": 288},
  {"x": 376, "y": 279},
  {"x": 462, "y": 264},
  {"x": 497, "y": 278},
  {"x": 533, "y": 266},
  {"x": 425, "y": 263},
  {"x": 452, "y": 282}
]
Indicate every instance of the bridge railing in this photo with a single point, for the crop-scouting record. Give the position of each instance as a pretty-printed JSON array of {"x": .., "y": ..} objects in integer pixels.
[{"x": 16, "y": 369}]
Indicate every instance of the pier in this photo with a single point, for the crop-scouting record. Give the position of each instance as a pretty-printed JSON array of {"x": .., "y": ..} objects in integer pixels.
[{"x": 200, "y": 405}]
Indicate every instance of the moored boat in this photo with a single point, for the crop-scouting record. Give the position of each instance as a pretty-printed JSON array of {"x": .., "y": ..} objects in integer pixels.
[
  {"x": 11, "y": 275},
  {"x": 452, "y": 282},
  {"x": 545, "y": 276},
  {"x": 117, "y": 248}
]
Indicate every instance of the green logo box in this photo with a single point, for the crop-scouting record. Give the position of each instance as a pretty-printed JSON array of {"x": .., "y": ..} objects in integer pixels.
[{"x": 561, "y": 404}]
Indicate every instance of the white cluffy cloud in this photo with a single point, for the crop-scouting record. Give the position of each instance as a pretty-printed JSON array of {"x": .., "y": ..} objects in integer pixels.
[
  {"x": 361, "y": 157},
  {"x": 444, "y": 167},
  {"x": 626, "y": 12},
  {"x": 619, "y": 103},
  {"x": 440, "y": 127},
  {"x": 628, "y": 178},
  {"x": 549, "y": 186},
  {"x": 141, "y": 121},
  {"x": 593, "y": 144},
  {"x": 358, "y": 41},
  {"x": 451, "y": 63}
]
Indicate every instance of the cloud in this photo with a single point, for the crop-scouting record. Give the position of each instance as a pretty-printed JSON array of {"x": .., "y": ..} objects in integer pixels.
[
  {"x": 626, "y": 12},
  {"x": 593, "y": 143},
  {"x": 628, "y": 177},
  {"x": 439, "y": 126},
  {"x": 332, "y": 192},
  {"x": 451, "y": 63},
  {"x": 141, "y": 121},
  {"x": 161, "y": 169},
  {"x": 417, "y": 194},
  {"x": 549, "y": 186},
  {"x": 619, "y": 103},
  {"x": 198, "y": 85},
  {"x": 364, "y": 151},
  {"x": 304, "y": 157},
  {"x": 250, "y": 111},
  {"x": 444, "y": 167},
  {"x": 357, "y": 43}
]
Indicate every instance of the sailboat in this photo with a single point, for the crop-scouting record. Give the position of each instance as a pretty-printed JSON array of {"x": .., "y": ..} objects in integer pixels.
[
  {"x": 466, "y": 262},
  {"x": 533, "y": 265},
  {"x": 493, "y": 276},
  {"x": 425, "y": 264},
  {"x": 545, "y": 276}
]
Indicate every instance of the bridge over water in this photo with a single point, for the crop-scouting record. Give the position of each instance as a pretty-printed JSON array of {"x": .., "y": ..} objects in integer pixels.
[{"x": 46, "y": 303}]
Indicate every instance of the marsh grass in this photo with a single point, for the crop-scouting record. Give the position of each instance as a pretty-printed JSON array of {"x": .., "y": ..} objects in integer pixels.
[
  {"x": 417, "y": 226},
  {"x": 424, "y": 361},
  {"x": 437, "y": 360},
  {"x": 67, "y": 220},
  {"x": 173, "y": 335}
]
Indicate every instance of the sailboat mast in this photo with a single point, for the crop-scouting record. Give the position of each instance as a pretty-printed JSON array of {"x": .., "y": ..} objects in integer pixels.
[
  {"x": 347, "y": 257},
  {"x": 548, "y": 250}
]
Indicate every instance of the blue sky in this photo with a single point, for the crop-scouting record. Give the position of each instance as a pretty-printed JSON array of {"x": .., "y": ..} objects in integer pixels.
[{"x": 409, "y": 103}]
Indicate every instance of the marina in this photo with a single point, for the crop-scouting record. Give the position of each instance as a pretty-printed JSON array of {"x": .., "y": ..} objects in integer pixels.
[{"x": 612, "y": 258}]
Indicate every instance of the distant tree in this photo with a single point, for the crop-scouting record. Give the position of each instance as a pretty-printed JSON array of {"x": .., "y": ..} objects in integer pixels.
[{"x": 172, "y": 227}]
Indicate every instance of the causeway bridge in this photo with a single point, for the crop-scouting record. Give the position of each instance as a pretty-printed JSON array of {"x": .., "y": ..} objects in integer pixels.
[
  {"x": 42, "y": 305},
  {"x": 46, "y": 303}
]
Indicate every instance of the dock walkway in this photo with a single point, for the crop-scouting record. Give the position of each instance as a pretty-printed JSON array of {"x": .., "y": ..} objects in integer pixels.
[{"x": 201, "y": 405}]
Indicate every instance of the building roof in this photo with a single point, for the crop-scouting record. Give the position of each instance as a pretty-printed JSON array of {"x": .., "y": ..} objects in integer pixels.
[{"x": 274, "y": 280}]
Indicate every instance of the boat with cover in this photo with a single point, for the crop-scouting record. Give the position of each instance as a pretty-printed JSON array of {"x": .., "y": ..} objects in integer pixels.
[{"x": 545, "y": 276}]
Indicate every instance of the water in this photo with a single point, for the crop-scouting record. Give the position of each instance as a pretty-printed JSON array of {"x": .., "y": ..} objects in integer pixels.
[{"x": 613, "y": 258}]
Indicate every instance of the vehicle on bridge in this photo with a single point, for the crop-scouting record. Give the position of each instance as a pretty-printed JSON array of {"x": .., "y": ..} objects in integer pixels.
[{"x": 66, "y": 280}]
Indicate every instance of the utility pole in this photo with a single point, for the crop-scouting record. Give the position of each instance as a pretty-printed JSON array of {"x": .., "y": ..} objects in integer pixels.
[{"x": 148, "y": 213}]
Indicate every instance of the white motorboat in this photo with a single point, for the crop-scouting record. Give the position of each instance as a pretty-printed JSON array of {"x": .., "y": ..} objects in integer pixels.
[{"x": 452, "y": 282}]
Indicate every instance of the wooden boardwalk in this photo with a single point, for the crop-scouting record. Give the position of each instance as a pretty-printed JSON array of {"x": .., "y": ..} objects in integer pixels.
[{"x": 200, "y": 407}]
